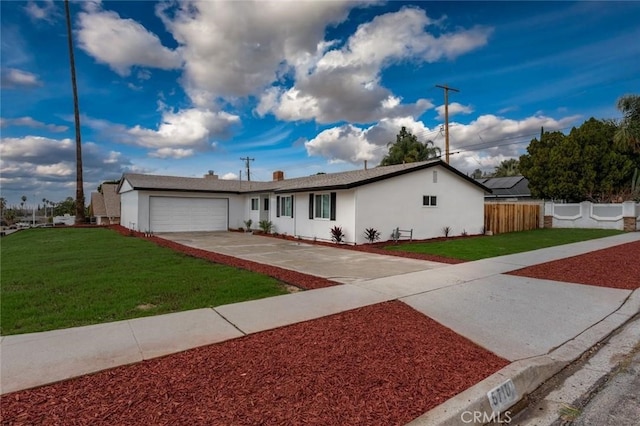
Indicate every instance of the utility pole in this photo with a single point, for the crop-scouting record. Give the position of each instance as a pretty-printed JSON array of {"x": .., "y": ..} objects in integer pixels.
[
  {"x": 246, "y": 163},
  {"x": 446, "y": 118}
]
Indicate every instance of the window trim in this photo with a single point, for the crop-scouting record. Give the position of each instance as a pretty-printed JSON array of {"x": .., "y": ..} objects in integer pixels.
[
  {"x": 282, "y": 206},
  {"x": 255, "y": 201},
  {"x": 320, "y": 207}
]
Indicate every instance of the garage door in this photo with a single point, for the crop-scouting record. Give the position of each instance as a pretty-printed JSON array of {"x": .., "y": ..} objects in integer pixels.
[{"x": 178, "y": 214}]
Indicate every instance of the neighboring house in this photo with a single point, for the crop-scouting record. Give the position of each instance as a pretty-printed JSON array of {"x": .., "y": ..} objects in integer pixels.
[
  {"x": 512, "y": 188},
  {"x": 425, "y": 197},
  {"x": 105, "y": 205}
]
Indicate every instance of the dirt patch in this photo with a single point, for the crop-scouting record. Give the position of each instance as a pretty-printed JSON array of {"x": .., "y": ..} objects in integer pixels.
[
  {"x": 145, "y": 307},
  {"x": 380, "y": 365},
  {"x": 616, "y": 267}
]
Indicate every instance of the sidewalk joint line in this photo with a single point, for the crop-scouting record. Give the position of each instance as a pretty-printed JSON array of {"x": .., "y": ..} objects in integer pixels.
[
  {"x": 227, "y": 320},
  {"x": 135, "y": 339}
]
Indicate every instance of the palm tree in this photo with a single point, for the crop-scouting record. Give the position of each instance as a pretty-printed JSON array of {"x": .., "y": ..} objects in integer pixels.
[
  {"x": 510, "y": 167},
  {"x": 76, "y": 112},
  {"x": 24, "y": 200},
  {"x": 628, "y": 133},
  {"x": 408, "y": 149}
]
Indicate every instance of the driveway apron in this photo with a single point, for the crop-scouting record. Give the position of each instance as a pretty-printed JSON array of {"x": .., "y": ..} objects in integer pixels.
[{"x": 340, "y": 265}]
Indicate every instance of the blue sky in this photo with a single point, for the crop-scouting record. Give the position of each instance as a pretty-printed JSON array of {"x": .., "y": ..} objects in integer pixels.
[{"x": 304, "y": 87}]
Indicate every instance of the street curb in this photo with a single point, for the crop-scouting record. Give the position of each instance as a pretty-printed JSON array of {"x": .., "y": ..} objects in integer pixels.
[{"x": 527, "y": 374}]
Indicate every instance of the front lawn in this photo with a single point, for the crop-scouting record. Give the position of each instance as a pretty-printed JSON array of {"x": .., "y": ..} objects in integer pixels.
[
  {"x": 481, "y": 247},
  {"x": 59, "y": 278}
]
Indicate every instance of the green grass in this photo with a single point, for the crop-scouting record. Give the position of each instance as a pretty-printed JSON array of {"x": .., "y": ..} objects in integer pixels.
[
  {"x": 59, "y": 278},
  {"x": 481, "y": 247}
]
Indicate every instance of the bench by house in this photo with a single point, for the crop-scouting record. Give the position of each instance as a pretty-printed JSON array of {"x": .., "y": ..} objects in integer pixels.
[{"x": 402, "y": 234}]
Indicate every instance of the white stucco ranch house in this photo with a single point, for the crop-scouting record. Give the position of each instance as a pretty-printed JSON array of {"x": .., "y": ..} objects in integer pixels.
[{"x": 423, "y": 197}]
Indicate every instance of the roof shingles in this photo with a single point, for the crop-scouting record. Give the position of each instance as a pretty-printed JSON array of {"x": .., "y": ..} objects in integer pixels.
[{"x": 342, "y": 180}]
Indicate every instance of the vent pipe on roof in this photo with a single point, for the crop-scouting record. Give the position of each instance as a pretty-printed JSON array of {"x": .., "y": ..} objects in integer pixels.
[
  {"x": 278, "y": 175},
  {"x": 365, "y": 164}
]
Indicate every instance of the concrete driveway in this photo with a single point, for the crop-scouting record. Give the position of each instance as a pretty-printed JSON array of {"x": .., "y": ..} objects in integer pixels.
[{"x": 340, "y": 265}]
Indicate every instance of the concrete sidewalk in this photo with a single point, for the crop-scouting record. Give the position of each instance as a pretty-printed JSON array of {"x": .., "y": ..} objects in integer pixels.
[{"x": 540, "y": 325}]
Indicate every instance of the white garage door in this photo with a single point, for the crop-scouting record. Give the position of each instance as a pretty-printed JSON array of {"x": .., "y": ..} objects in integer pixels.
[{"x": 178, "y": 214}]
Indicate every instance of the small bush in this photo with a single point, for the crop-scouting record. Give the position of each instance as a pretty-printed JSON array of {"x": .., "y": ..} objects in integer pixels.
[
  {"x": 337, "y": 235},
  {"x": 464, "y": 233},
  {"x": 247, "y": 224},
  {"x": 446, "y": 230},
  {"x": 372, "y": 235},
  {"x": 266, "y": 226}
]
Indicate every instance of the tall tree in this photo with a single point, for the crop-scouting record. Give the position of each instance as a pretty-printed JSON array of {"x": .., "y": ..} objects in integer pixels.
[
  {"x": 510, "y": 167},
  {"x": 408, "y": 149},
  {"x": 477, "y": 174},
  {"x": 628, "y": 133},
  {"x": 80, "y": 215},
  {"x": 584, "y": 165}
]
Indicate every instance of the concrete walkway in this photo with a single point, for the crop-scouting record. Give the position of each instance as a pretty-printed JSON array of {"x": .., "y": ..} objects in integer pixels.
[{"x": 540, "y": 325}]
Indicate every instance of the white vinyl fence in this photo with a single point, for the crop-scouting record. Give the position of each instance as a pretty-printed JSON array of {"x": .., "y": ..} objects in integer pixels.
[{"x": 622, "y": 216}]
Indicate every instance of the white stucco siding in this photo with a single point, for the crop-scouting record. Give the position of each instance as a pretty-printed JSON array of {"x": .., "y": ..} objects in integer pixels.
[
  {"x": 398, "y": 202},
  {"x": 129, "y": 210},
  {"x": 320, "y": 228}
]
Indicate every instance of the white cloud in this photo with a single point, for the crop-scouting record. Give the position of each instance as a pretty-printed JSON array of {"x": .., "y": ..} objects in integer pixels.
[
  {"x": 122, "y": 43},
  {"x": 172, "y": 153},
  {"x": 352, "y": 144},
  {"x": 229, "y": 176},
  {"x": 13, "y": 78},
  {"x": 484, "y": 142},
  {"x": 181, "y": 133},
  {"x": 38, "y": 165},
  {"x": 30, "y": 122},
  {"x": 45, "y": 11},
  {"x": 237, "y": 49},
  {"x": 454, "y": 108},
  {"x": 345, "y": 84},
  {"x": 59, "y": 169},
  {"x": 489, "y": 140}
]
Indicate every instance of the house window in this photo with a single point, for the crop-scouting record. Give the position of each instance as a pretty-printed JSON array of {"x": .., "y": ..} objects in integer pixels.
[
  {"x": 255, "y": 204},
  {"x": 429, "y": 200},
  {"x": 322, "y": 206},
  {"x": 265, "y": 204},
  {"x": 286, "y": 206}
]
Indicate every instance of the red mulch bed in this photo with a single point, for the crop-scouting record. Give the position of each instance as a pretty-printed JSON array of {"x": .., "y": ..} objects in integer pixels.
[
  {"x": 384, "y": 364},
  {"x": 378, "y": 248},
  {"x": 616, "y": 267},
  {"x": 298, "y": 279}
]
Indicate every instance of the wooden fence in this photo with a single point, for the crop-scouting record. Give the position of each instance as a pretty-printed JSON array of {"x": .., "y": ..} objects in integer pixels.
[{"x": 500, "y": 218}]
